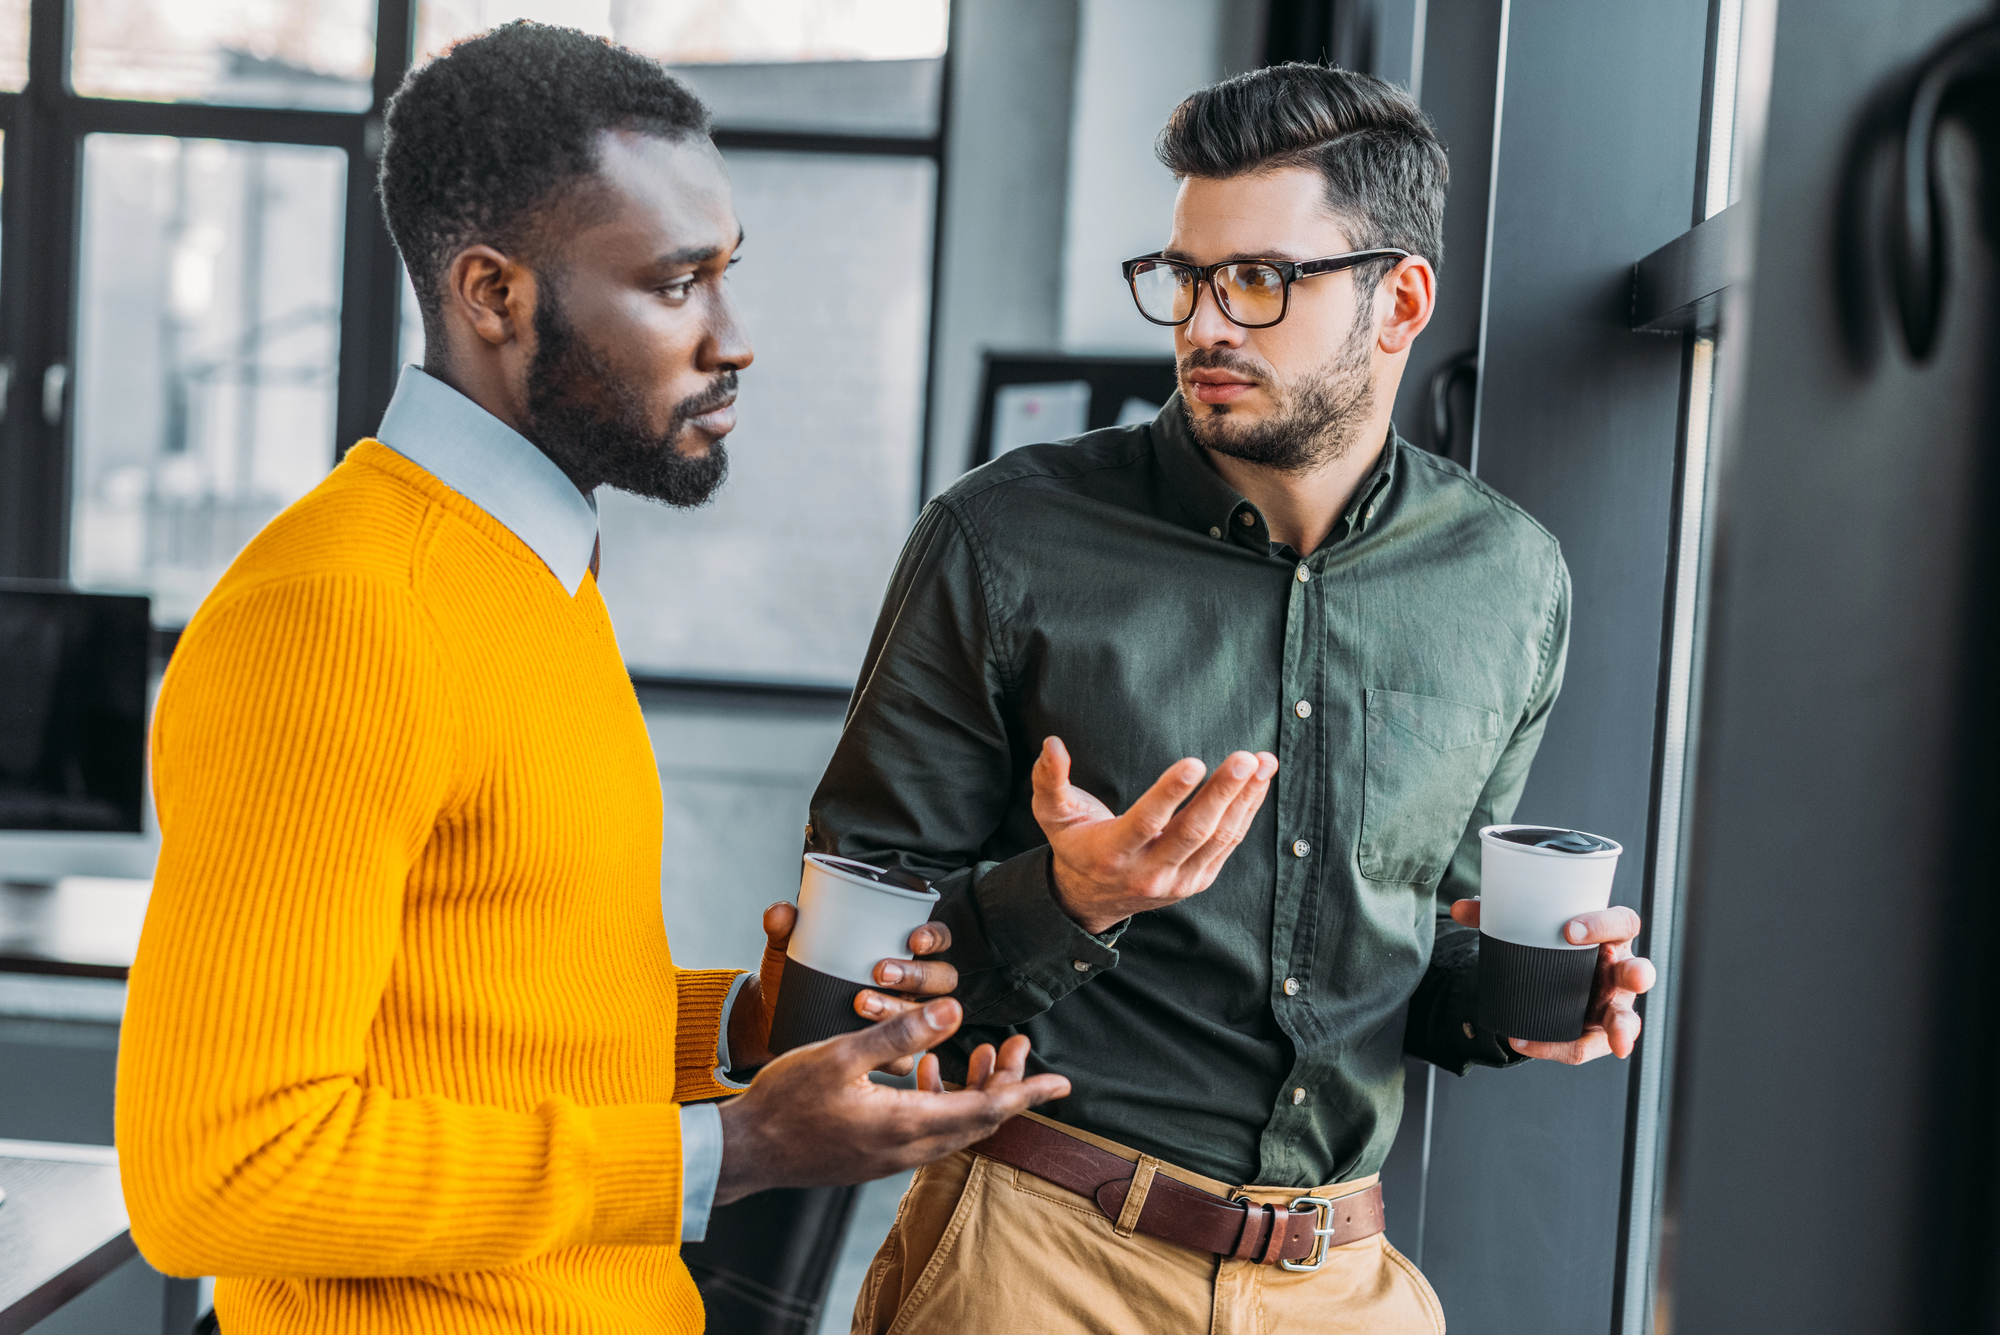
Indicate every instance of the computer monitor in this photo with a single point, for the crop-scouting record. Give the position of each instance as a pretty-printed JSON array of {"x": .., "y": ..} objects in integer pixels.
[{"x": 73, "y": 674}]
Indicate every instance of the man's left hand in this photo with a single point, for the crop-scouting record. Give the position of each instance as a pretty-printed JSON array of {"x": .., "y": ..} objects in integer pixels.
[
  {"x": 1611, "y": 1025},
  {"x": 914, "y": 981}
]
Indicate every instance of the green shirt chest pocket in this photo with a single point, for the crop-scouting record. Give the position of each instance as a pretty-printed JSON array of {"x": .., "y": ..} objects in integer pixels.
[{"x": 1428, "y": 759}]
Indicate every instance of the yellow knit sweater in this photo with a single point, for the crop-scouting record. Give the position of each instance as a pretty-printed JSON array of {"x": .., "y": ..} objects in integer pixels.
[{"x": 404, "y": 1039}]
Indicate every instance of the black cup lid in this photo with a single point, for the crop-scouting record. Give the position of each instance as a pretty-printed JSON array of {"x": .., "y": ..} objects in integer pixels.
[{"x": 1556, "y": 841}]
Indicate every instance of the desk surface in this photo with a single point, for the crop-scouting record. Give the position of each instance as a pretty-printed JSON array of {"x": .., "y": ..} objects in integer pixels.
[
  {"x": 62, "y": 1227},
  {"x": 79, "y": 926}
]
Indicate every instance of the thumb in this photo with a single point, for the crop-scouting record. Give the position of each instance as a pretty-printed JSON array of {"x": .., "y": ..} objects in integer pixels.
[
  {"x": 779, "y": 920},
  {"x": 914, "y": 1031},
  {"x": 1465, "y": 912},
  {"x": 1051, "y": 780}
]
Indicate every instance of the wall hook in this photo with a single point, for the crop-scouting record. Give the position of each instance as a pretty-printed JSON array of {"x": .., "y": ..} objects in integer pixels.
[{"x": 1915, "y": 235}]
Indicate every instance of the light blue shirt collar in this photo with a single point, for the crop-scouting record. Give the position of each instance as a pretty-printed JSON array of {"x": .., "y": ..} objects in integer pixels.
[{"x": 496, "y": 468}]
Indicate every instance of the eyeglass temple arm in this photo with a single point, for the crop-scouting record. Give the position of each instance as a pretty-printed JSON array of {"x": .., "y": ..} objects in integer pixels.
[{"x": 1335, "y": 263}]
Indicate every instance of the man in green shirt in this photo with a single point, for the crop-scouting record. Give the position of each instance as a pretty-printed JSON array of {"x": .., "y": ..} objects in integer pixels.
[{"x": 1230, "y": 974}]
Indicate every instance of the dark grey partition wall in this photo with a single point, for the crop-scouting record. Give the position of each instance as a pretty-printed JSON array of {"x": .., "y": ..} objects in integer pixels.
[
  {"x": 1842, "y": 878},
  {"x": 1599, "y": 118},
  {"x": 1461, "y": 57}
]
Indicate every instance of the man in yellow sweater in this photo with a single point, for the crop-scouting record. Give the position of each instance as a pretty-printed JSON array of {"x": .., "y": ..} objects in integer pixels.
[{"x": 405, "y": 1048}]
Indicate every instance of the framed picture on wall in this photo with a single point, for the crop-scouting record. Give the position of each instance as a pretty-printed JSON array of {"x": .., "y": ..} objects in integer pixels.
[{"x": 1030, "y": 397}]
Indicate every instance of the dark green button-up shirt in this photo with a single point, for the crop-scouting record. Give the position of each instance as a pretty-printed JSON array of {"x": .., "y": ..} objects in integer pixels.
[{"x": 1114, "y": 591}]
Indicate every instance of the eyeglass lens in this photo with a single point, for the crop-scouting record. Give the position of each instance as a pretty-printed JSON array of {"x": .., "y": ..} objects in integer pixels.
[{"x": 1251, "y": 294}]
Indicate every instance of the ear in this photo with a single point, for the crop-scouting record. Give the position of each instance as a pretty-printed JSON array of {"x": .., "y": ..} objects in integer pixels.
[
  {"x": 490, "y": 294},
  {"x": 1407, "y": 296}
]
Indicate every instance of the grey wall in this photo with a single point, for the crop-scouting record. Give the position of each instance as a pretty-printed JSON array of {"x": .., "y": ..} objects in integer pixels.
[
  {"x": 734, "y": 779},
  {"x": 1000, "y": 240},
  {"x": 1828, "y": 913},
  {"x": 1135, "y": 61},
  {"x": 1051, "y": 180},
  {"x": 1578, "y": 419},
  {"x": 1459, "y": 69}
]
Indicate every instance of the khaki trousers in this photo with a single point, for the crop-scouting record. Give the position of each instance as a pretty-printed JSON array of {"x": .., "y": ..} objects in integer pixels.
[{"x": 981, "y": 1248}]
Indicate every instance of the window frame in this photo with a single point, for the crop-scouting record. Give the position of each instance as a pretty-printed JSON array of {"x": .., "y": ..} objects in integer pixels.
[
  {"x": 1677, "y": 290},
  {"x": 40, "y": 235}
]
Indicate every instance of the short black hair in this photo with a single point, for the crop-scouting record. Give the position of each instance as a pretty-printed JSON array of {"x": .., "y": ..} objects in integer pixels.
[
  {"x": 1384, "y": 166},
  {"x": 479, "y": 142}
]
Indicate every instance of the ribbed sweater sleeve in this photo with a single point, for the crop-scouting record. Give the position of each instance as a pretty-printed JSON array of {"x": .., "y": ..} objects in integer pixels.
[
  {"x": 306, "y": 743},
  {"x": 698, "y": 1032}
]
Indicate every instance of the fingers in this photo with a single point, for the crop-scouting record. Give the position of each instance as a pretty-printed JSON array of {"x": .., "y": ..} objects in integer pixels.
[
  {"x": 1236, "y": 821},
  {"x": 871, "y": 1005},
  {"x": 933, "y": 938},
  {"x": 1150, "y": 815},
  {"x": 1617, "y": 1036},
  {"x": 1635, "y": 975},
  {"x": 928, "y": 978},
  {"x": 1012, "y": 1060},
  {"x": 779, "y": 920},
  {"x": 1465, "y": 912},
  {"x": 1610, "y": 926},
  {"x": 1621, "y": 1031},
  {"x": 1009, "y": 1098},
  {"x": 1592, "y": 1045},
  {"x": 1196, "y": 823},
  {"x": 929, "y": 1079},
  {"x": 979, "y": 1066},
  {"x": 904, "y": 1035}
]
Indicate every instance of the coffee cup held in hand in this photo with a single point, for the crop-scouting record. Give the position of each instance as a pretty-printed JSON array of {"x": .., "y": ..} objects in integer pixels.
[
  {"x": 1533, "y": 984},
  {"x": 851, "y": 917}
]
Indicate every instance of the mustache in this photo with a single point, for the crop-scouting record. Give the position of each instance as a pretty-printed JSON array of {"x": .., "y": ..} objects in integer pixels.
[
  {"x": 1224, "y": 359},
  {"x": 719, "y": 392}
]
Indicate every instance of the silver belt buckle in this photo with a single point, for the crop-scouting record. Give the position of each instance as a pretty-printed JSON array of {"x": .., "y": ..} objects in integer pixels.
[{"x": 1322, "y": 1233}]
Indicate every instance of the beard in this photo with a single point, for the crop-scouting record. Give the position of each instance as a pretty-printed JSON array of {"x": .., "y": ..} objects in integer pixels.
[
  {"x": 1316, "y": 417},
  {"x": 595, "y": 426}
]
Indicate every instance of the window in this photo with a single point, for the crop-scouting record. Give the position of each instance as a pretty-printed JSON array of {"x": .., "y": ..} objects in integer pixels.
[
  {"x": 239, "y": 313},
  {"x": 835, "y": 288},
  {"x": 291, "y": 53},
  {"x": 828, "y": 114},
  {"x": 1703, "y": 255},
  {"x": 208, "y": 330}
]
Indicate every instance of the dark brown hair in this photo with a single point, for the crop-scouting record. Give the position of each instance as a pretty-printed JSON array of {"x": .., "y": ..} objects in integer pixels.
[{"x": 1384, "y": 167}]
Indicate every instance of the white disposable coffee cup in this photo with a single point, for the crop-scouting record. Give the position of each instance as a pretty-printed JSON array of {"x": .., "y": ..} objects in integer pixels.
[
  {"x": 1533, "y": 879},
  {"x": 851, "y": 917}
]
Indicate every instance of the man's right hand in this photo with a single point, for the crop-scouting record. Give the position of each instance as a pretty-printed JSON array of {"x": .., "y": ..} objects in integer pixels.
[
  {"x": 1108, "y": 868},
  {"x": 814, "y": 1118}
]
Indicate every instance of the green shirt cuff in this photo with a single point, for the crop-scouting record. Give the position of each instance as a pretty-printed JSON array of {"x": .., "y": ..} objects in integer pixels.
[
  {"x": 1442, "y": 1028},
  {"x": 1041, "y": 945}
]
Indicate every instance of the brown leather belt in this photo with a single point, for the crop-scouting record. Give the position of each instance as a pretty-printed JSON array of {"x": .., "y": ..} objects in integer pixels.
[{"x": 1297, "y": 1238}]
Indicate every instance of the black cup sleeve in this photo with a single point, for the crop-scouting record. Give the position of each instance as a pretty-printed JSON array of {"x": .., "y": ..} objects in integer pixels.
[
  {"x": 1534, "y": 992},
  {"x": 812, "y": 1006}
]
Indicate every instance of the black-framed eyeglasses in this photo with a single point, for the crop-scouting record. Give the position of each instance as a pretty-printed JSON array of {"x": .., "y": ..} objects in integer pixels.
[{"x": 1252, "y": 294}]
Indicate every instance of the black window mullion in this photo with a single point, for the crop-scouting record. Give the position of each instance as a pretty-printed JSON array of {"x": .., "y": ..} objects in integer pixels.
[
  {"x": 372, "y": 284},
  {"x": 37, "y": 307}
]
